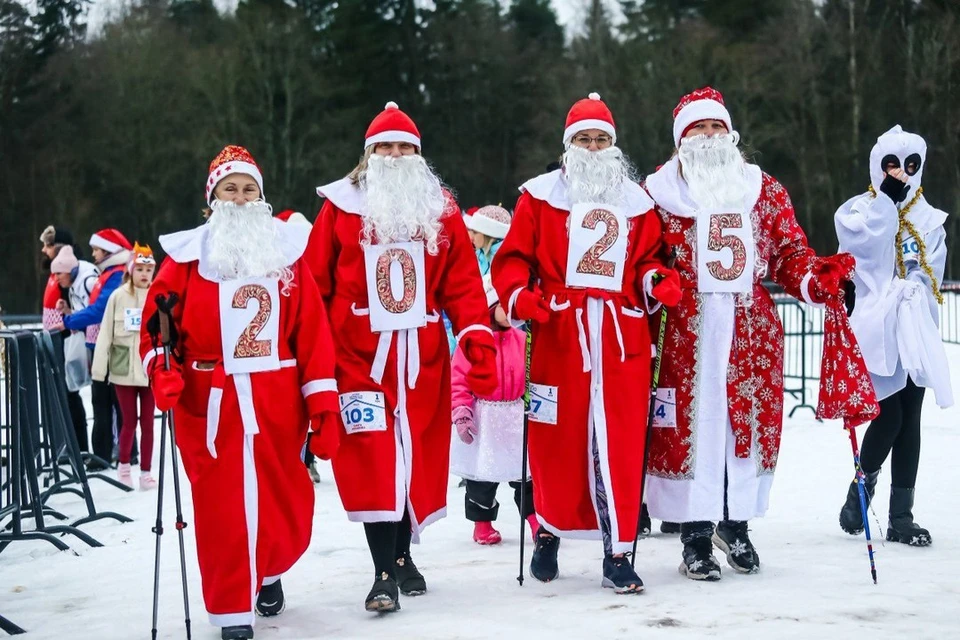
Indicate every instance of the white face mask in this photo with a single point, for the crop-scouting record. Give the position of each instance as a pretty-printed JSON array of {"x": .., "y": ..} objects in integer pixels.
[{"x": 903, "y": 149}]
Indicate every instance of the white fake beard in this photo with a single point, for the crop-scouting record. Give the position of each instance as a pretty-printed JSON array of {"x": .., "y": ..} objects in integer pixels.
[
  {"x": 596, "y": 176},
  {"x": 403, "y": 201},
  {"x": 714, "y": 169},
  {"x": 244, "y": 242}
]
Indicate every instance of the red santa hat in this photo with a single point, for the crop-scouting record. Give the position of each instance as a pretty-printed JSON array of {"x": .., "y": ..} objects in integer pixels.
[
  {"x": 392, "y": 125},
  {"x": 293, "y": 217},
  {"x": 702, "y": 104},
  {"x": 589, "y": 113},
  {"x": 110, "y": 240},
  {"x": 233, "y": 159},
  {"x": 491, "y": 220}
]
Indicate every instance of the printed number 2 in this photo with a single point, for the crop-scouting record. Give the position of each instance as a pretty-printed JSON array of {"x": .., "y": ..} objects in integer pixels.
[
  {"x": 356, "y": 415},
  {"x": 717, "y": 241},
  {"x": 247, "y": 344},
  {"x": 591, "y": 263}
]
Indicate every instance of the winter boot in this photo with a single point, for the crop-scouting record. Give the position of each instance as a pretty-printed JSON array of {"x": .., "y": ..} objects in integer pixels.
[
  {"x": 671, "y": 528},
  {"x": 384, "y": 597},
  {"x": 698, "y": 560},
  {"x": 534, "y": 525},
  {"x": 270, "y": 600},
  {"x": 314, "y": 474},
  {"x": 619, "y": 575},
  {"x": 543, "y": 564},
  {"x": 237, "y": 632},
  {"x": 409, "y": 578},
  {"x": 901, "y": 527},
  {"x": 732, "y": 539},
  {"x": 123, "y": 475},
  {"x": 645, "y": 525},
  {"x": 851, "y": 519},
  {"x": 484, "y": 533},
  {"x": 147, "y": 482}
]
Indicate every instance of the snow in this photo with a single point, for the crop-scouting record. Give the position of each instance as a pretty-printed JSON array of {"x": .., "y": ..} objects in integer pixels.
[{"x": 814, "y": 581}]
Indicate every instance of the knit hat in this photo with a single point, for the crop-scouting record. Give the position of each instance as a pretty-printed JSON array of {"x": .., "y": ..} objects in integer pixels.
[
  {"x": 110, "y": 240},
  {"x": 392, "y": 125},
  {"x": 65, "y": 262},
  {"x": 141, "y": 254},
  {"x": 52, "y": 235},
  {"x": 293, "y": 217},
  {"x": 589, "y": 113},
  {"x": 491, "y": 220},
  {"x": 702, "y": 104},
  {"x": 233, "y": 159}
]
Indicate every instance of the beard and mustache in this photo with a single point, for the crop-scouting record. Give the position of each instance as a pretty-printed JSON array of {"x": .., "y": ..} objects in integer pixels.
[
  {"x": 714, "y": 170},
  {"x": 597, "y": 176},
  {"x": 244, "y": 242},
  {"x": 403, "y": 200}
]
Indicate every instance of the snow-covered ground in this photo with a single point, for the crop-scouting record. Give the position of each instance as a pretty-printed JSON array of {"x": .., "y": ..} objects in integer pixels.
[{"x": 815, "y": 580}]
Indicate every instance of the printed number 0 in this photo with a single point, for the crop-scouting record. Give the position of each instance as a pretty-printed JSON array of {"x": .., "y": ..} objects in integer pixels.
[
  {"x": 408, "y": 272},
  {"x": 247, "y": 344},
  {"x": 717, "y": 241},
  {"x": 591, "y": 263}
]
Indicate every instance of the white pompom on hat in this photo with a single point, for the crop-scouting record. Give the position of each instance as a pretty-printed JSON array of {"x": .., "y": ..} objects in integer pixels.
[
  {"x": 589, "y": 113},
  {"x": 392, "y": 125}
]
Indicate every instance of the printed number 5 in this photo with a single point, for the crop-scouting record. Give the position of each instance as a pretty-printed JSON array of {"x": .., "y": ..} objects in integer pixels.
[
  {"x": 247, "y": 344},
  {"x": 717, "y": 240}
]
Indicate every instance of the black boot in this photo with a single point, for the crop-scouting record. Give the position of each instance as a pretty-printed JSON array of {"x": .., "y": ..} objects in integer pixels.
[
  {"x": 732, "y": 539},
  {"x": 543, "y": 564},
  {"x": 236, "y": 632},
  {"x": 270, "y": 600},
  {"x": 384, "y": 596},
  {"x": 645, "y": 525},
  {"x": 618, "y": 574},
  {"x": 901, "y": 527},
  {"x": 409, "y": 578},
  {"x": 699, "y": 562},
  {"x": 669, "y": 527},
  {"x": 851, "y": 519}
]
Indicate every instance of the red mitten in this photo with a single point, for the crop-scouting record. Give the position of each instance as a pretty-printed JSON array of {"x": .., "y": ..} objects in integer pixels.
[
  {"x": 830, "y": 278},
  {"x": 325, "y": 436},
  {"x": 167, "y": 386},
  {"x": 667, "y": 287},
  {"x": 481, "y": 353},
  {"x": 530, "y": 305}
]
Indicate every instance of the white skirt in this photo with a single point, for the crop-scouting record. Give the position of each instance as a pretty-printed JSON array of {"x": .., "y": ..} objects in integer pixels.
[{"x": 495, "y": 455}]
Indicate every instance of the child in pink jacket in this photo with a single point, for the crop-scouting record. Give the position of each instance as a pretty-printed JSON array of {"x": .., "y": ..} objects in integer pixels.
[{"x": 488, "y": 448}]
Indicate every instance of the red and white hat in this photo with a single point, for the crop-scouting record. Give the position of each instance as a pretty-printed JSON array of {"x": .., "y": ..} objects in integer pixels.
[
  {"x": 491, "y": 220},
  {"x": 589, "y": 113},
  {"x": 293, "y": 217},
  {"x": 392, "y": 125},
  {"x": 702, "y": 104},
  {"x": 233, "y": 159},
  {"x": 110, "y": 240}
]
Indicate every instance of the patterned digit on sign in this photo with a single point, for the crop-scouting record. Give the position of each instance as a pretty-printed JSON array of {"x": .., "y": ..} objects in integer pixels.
[
  {"x": 591, "y": 263},
  {"x": 409, "y": 274},
  {"x": 718, "y": 241},
  {"x": 247, "y": 344}
]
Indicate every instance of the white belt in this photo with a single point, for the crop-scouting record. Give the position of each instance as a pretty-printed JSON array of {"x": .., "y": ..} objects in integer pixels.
[
  {"x": 411, "y": 353},
  {"x": 594, "y": 308}
]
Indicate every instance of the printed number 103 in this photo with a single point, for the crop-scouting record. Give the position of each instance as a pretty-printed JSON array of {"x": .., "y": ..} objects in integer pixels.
[{"x": 355, "y": 416}]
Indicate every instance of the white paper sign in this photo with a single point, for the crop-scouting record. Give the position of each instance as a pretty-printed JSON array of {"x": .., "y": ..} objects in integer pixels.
[
  {"x": 543, "y": 403},
  {"x": 131, "y": 319},
  {"x": 396, "y": 286},
  {"x": 911, "y": 249},
  {"x": 363, "y": 411},
  {"x": 725, "y": 252},
  {"x": 250, "y": 324},
  {"x": 665, "y": 409},
  {"x": 597, "y": 249}
]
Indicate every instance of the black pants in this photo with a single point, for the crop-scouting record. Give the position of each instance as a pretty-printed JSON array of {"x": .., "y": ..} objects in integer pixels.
[
  {"x": 104, "y": 405},
  {"x": 480, "y": 502},
  {"x": 388, "y": 541},
  {"x": 78, "y": 416},
  {"x": 896, "y": 429}
]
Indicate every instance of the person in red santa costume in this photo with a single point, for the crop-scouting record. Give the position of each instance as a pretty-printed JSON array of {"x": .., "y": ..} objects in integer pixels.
[
  {"x": 579, "y": 261},
  {"x": 719, "y": 413},
  {"x": 254, "y": 361},
  {"x": 390, "y": 252}
]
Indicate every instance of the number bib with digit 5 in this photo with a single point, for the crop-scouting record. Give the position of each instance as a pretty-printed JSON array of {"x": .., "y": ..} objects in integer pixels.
[
  {"x": 131, "y": 319},
  {"x": 598, "y": 247},
  {"x": 250, "y": 324},
  {"x": 725, "y": 253},
  {"x": 396, "y": 286},
  {"x": 363, "y": 411}
]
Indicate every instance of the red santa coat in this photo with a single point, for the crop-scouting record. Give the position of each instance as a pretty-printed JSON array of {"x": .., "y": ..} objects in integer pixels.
[
  {"x": 379, "y": 473},
  {"x": 595, "y": 350},
  {"x": 723, "y": 358},
  {"x": 240, "y": 435}
]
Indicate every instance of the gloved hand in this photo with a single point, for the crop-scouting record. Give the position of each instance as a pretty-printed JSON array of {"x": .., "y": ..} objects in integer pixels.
[
  {"x": 832, "y": 276},
  {"x": 895, "y": 188},
  {"x": 849, "y": 296},
  {"x": 466, "y": 429},
  {"x": 666, "y": 287},
  {"x": 324, "y": 440},
  {"x": 530, "y": 305},
  {"x": 167, "y": 386},
  {"x": 481, "y": 353}
]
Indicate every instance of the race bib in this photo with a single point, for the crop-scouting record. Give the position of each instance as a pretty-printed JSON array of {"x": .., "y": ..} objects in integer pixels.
[
  {"x": 597, "y": 249},
  {"x": 911, "y": 249},
  {"x": 363, "y": 411},
  {"x": 131, "y": 319},
  {"x": 725, "y": 253},
  {"x": 665, "y": 409},
  {"x": 543, "y": 403},
  {"x": 250, "y": 324},
  {"x": 396, "y": 286}
]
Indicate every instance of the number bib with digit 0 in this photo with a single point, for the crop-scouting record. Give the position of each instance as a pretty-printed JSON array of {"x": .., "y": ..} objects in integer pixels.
[
  {"x": 597, "y": 249},
  {"x": 725, "y": 252},
  {"x": 250, "y": 324},
  {"x": 396, "y": 286}
]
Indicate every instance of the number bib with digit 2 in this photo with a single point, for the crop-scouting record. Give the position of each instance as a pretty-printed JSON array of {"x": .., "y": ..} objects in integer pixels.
[
  {"x": 597, "y": 249},
  {"x": 250, "y": 324},
  {"x": 396, "y": 286},
  {"x": 363, "y": 411},
  {"x": 725, "y": 252}
]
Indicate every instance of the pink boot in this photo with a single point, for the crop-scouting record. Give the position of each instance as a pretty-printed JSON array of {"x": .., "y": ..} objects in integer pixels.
[
  {"x": 484, "y": 533},
  {"x": 534, "y": 526},
  {"x": 123, "y": 474},
  {"x": 147, "y": 483}
]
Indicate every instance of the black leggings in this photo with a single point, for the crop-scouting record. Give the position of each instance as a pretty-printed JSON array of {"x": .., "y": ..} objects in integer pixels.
[
  {"x": 388, "y": 541},
  {"x": 896, "y": 429}
]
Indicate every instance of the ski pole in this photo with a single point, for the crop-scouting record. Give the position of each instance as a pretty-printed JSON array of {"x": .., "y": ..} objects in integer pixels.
[
  {"x": 861, "y": 489},
  {"x": 526, "y": 427}
]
